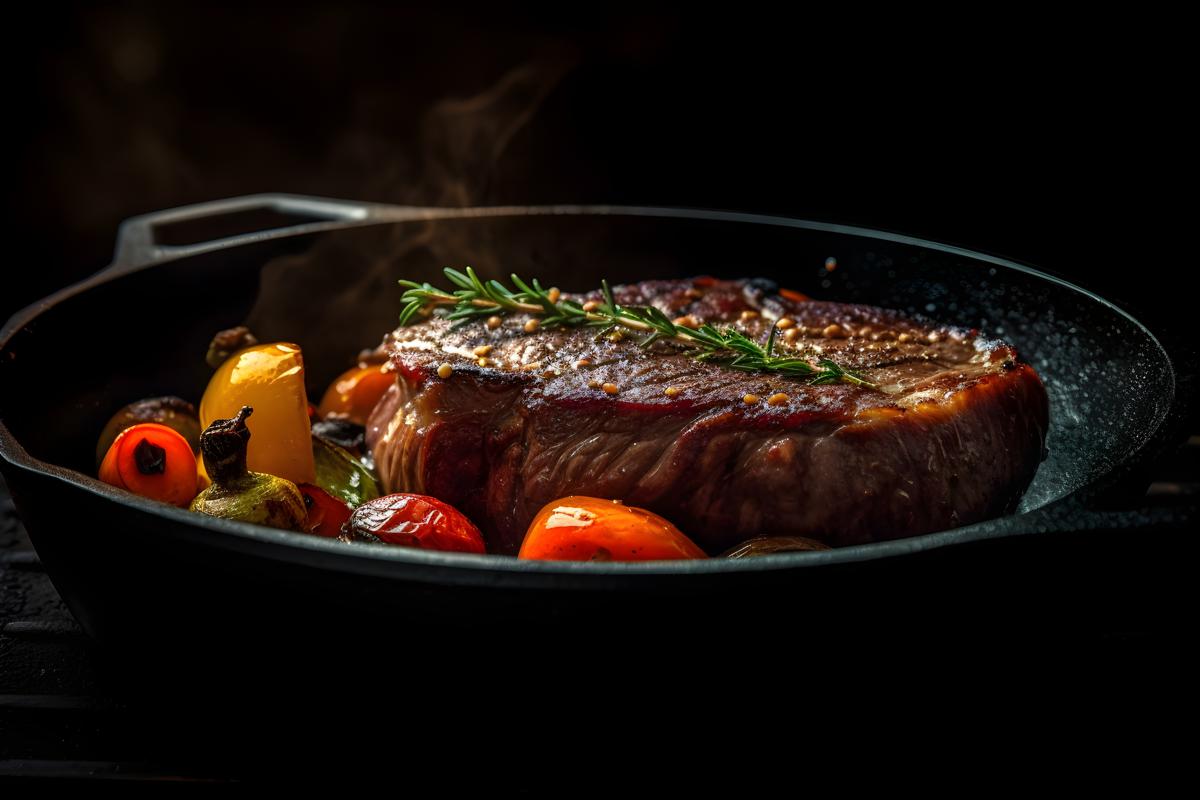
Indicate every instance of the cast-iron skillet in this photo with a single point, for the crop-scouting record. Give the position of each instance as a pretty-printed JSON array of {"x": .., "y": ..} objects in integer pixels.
[{"x": 154, "y": 579}]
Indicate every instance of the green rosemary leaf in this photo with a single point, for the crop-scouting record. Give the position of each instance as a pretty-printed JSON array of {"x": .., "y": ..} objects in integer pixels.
[
  {"x": 520, "y": 284},
  {"x": 771, "y": 340},
  {"x": 610, "y": 304},
  {"x": 458, "y": 279},
  {"x": 571, "y": 307},
  {"x": 498, "y": 291},
  {"x": 661, "y": 320},
  {"x": 411, "y": 310}
]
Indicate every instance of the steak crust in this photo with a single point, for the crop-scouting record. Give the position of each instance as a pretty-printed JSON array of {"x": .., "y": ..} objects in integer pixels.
[{"x": 952, "y": 433}]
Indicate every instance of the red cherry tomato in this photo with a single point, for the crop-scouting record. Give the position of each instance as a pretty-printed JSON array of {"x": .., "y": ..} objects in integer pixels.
[
  {"x": 154, "y": 461},
  {"x": 593, "y": 529},
  {"x": 326, "y": 514},
  {"x": 415, "y": 520}
]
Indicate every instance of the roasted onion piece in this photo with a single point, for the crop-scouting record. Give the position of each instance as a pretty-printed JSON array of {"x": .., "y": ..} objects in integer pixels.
[
  {"x": 769, "y": 545},
  {"x": 343, "y": 433},
  {"x": 174, "y": 412}
]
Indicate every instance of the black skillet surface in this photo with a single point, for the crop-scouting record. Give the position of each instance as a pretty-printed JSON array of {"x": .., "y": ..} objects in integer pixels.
[{"x": 232, "y": 608}]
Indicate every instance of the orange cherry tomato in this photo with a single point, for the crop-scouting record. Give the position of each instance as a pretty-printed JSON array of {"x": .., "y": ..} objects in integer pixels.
[
  {"x": 415, "y": 520},
  {"x": 154, "y": 461},
  {"x": 326, "y": 513},
  {"x": 593, "y": 529},
  {"x": 355, "y": 392}
]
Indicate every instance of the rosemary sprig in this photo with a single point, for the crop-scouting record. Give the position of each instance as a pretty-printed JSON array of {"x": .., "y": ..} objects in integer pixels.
[{"x": 473, "y": 298}]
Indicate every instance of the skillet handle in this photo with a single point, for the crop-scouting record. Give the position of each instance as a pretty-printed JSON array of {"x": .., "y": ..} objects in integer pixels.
[{"x": 173, "y": 233}]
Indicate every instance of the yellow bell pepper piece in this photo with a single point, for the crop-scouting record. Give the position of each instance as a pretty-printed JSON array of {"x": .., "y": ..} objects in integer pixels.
[
  {"x": 270, "y": 379},
  {"x": 202, "y": 479}
]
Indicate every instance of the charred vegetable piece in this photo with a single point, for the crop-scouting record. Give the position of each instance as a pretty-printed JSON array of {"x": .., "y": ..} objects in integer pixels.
[
  {"x": 173, "y": 412},
  {"x": 353, "y": 395},
  {"x": 766, "y": 545},
  {"x": 153, "y": 461},
  {"x": 228, "y": 342},
  {"x": 593, "y": 529},
  {"x": 269, "y": 378},
  {"x": 414, "y": 520},
  {"x": 326, "y": 514},
  {"x": 343, "y": 433},
  {"x": 342, "y": 475},
  {"x": 237, "y": 493}
]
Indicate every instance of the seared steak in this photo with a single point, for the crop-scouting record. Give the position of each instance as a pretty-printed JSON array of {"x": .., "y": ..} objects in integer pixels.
[{"x": 952, "y": 434}]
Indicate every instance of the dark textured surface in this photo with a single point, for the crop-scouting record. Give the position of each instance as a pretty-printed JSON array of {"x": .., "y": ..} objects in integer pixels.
[
  {"x": 59, "y": 716},
  {"x": 42, "y": 649},
  {"x": 50, "y": 702}
]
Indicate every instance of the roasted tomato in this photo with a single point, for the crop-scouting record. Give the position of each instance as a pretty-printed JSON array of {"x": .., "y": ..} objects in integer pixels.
[
  {"x": 154, "y": 461},
  {"x": 326, "y": 514},
  {"x": 414, "y": 520},
  {"x": 353, "y": 395},
  {"x": 592, "y": 529}
]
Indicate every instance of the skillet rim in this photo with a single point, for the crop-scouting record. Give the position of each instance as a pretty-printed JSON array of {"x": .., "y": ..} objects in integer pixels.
[{"x": 489, "y": 569}]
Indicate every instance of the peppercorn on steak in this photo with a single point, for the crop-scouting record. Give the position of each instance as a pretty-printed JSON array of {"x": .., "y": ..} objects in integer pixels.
[{"x": 940, "y": 427}]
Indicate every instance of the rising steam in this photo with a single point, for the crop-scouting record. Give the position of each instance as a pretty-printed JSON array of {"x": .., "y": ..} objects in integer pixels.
[{"x": 341, "y": 295}]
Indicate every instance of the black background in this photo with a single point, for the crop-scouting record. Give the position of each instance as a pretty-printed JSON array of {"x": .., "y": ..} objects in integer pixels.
[{"x": 1054, "y": 142}]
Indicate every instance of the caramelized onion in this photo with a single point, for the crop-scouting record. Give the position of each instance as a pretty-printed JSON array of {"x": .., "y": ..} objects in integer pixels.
[{"x": 768, "y": 545}]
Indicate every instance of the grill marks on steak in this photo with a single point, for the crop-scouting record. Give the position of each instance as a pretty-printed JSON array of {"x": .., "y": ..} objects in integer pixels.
[{"x": 952, "y": 435}]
